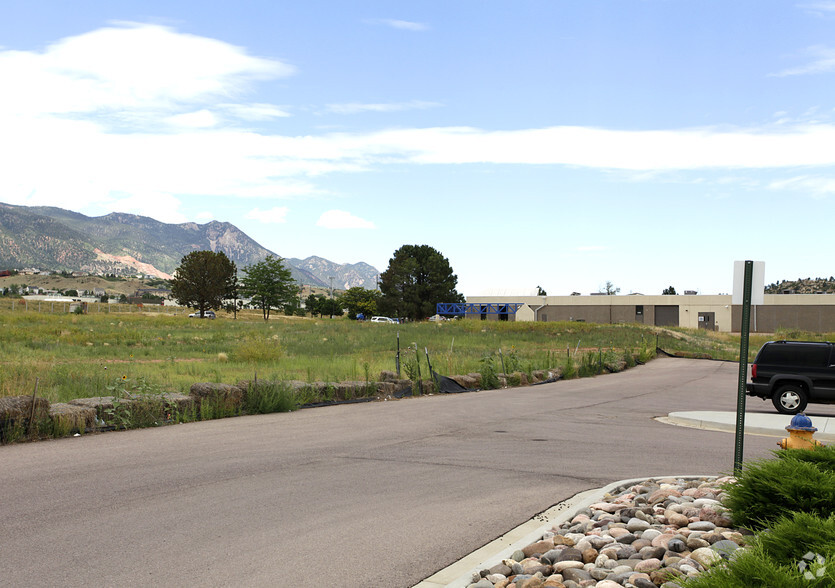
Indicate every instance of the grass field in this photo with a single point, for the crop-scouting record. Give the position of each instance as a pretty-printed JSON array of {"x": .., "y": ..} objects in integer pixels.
[{"x": 76, "y": 356}]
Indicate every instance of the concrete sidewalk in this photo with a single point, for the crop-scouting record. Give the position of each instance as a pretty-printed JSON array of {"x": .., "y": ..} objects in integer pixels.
[{"x": 755, "y": 423}]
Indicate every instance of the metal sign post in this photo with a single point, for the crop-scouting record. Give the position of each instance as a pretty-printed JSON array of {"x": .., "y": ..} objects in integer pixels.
[{"x": 743, "y": 365}]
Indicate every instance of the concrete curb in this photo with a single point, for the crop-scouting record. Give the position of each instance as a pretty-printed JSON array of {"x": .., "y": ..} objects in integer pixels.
[
  {"x": 459, "y": 574},
  {"x": 755, "y": 424}
]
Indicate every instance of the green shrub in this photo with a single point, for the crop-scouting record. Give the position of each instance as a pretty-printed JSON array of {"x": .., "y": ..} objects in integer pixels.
[
  {"x": 790, "y": 538},
  {"x": 823, "y": 457},
  {"x": 771, "y": 488},
  {"x": 270, "y": 397},
  {"x": 797, "y": 552}
]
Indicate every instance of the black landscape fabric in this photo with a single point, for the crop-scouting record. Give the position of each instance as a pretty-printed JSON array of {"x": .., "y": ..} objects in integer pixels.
[{"x": 447, "y": 385}]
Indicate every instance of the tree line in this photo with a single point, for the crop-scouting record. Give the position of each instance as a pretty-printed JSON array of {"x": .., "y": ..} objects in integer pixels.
[{"x": 417, "y": 278}]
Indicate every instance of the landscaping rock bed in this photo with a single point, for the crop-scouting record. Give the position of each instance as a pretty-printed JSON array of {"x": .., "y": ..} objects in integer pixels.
[{"x": 644, "y": 536}]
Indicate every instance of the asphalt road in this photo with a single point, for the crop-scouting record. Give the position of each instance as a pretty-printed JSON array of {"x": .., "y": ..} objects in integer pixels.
[{"x": 380, "y": 494}]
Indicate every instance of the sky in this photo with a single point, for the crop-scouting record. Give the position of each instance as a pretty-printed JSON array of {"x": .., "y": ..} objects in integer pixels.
[{"x": 551, "y": 143}]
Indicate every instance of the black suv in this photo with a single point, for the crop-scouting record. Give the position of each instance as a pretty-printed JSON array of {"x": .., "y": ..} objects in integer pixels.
[{"x": 794, "y": 373}]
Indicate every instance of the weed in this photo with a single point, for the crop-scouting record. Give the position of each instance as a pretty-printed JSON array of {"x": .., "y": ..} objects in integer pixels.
[
  {"x": 511, "y": 361},
  {"x": 569, "y": 369},
  {"x": 268, "y": 397},
  {"x": 591, "y": 364},
  {"x": 489, "y": 376}
]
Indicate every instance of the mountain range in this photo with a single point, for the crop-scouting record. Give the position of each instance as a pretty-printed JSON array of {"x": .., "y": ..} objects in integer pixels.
[{"x": 54, "y": 239}]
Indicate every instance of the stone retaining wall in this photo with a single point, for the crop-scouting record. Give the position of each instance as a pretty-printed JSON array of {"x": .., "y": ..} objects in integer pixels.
[{"x": 102, "y": 412}]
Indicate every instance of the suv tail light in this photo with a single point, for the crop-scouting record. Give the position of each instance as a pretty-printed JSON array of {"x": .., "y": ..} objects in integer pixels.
[{"x": 753, "y": 371}]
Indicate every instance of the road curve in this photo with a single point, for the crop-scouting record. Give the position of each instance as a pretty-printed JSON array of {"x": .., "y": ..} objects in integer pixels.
[{"x": 378, "y": 494}]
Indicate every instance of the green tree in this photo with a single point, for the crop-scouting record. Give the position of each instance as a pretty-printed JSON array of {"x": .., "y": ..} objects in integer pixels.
[
  {"x": 293, "y": 307},
  {"x": 331, "y": 306},
  {"x": 203, "y": 280},
  {"x": 417, "y": 278},
  {"x": 360, "y": 301},
  {"x": 669, "y": 291},
  {"x": 269, "y": 284},
  {"x": 313, "y": 304},
  {"x": 540, "y": 291}
]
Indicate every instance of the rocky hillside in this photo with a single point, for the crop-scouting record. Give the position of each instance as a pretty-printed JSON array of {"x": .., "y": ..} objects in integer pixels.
[
  {"x": 345, "y": 276},
  {"x": 54, "y": 239},
  {"x": 803, "y": 286}
]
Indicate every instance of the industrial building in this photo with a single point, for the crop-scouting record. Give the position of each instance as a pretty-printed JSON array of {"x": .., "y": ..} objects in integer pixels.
[{"x": 807, "y": 312}]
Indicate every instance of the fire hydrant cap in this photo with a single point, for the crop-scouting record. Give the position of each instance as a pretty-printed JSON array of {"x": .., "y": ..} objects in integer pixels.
[{"x": 801, "y": 422}]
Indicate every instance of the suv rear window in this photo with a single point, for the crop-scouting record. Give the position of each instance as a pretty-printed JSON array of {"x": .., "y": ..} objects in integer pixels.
[{"x": 799, "y": 355}]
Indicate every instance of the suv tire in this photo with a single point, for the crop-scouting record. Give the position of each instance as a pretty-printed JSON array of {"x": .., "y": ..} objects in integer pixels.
[{"x": 790, "y": 399}]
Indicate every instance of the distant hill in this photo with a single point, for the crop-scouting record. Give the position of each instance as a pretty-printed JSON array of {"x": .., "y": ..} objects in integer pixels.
[
  {"x": 344, "y": 275},
  {"x": 54, "y": 239},
  {"x": 803, "y": 286}
]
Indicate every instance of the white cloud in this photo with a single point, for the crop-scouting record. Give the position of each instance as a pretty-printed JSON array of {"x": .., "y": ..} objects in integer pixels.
[
  {"x": 818, "y": 187},
  {"x": 254, "y": 111},
  {"x": 356, "y": 107},
  {"x": 399, "y": 24},
  {"x": 160, "y": 206},
  {"x": 821, "y": 8},
  {"x": 339, "y": 219},
  {"x": 129, "y": 67},
  {"x": 195, "y": 120},
  {"x": 141, "y": 113},
  {"x": 823, "y": 61},
  {"x": 275, "y": 215},
  {"x": 678, "y": 149}
]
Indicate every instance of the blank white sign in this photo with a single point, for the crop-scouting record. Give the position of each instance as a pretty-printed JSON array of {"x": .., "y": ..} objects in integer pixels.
[{"x": 757, "y": 282}]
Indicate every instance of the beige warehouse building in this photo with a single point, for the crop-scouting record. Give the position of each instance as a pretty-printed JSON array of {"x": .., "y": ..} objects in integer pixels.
[{"x": 808, "y": 312}]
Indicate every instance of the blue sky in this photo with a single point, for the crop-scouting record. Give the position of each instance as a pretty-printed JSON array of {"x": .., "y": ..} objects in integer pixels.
[{"x": 552, "y": 143}]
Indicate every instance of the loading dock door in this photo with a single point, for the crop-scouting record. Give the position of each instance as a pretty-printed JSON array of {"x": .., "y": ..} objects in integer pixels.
[{"x": 666, "y": 316}]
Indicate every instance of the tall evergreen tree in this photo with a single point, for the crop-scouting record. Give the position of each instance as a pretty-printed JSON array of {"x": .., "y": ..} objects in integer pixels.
[{"x": 417, "y": 278}]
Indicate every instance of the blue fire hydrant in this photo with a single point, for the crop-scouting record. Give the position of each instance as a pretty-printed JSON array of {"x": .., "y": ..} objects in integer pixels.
[{"x": 800, "y": 434}]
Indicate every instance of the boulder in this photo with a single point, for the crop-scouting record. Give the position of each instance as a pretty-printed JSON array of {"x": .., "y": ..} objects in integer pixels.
[{"x": 226, "y": 395}]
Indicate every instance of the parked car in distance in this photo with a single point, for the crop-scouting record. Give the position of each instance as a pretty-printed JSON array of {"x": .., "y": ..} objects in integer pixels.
[
  {"x": 793, "y": 374},
  {"x": 209, "y": 314},
  {"x": 382, "y": 319}
]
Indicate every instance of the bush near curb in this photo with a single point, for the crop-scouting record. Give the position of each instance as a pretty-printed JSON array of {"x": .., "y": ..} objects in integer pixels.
[
  {"x": 796, "y": 552},
  {"x": 797, "y": 481},
  {"x": 790, "y": 500}
]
